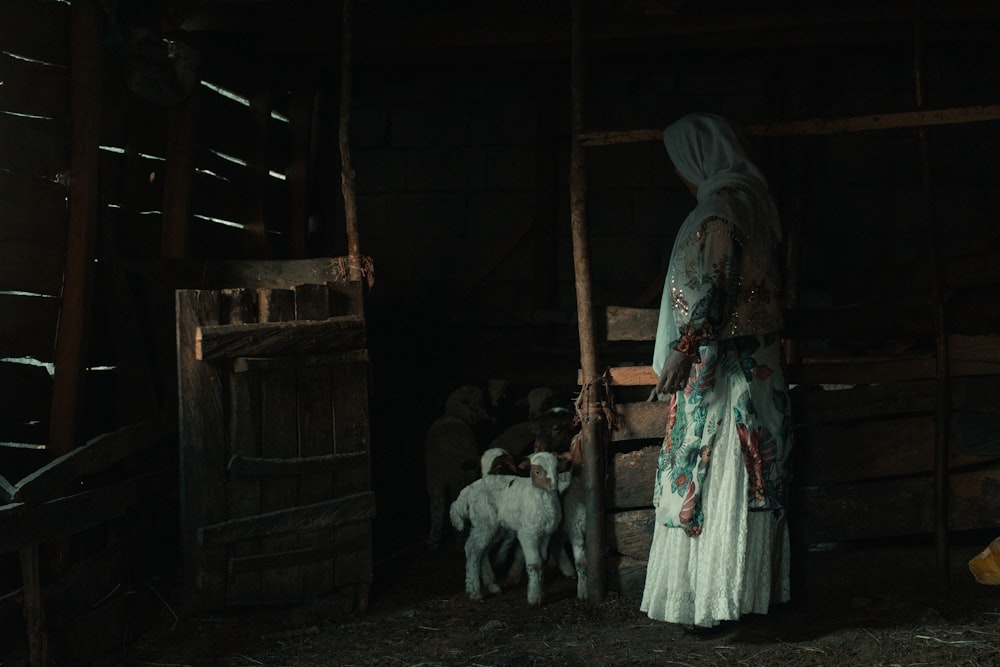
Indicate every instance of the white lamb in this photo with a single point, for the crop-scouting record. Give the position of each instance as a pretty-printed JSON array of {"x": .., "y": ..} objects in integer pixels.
[
  {"x": 528, "y": 506},
  {"x": 451, "y": 453},
  {"x": 573, "y": 528}
]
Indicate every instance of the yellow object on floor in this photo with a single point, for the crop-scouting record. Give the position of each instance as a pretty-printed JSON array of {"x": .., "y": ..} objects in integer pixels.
[{"x": 985, "y": 566}]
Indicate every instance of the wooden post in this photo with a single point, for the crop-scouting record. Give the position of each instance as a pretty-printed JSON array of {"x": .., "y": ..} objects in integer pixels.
[
  {"x": 347, "y": 174},
  {"x": 256, "y": 228},
  {"x": 34, "y": 610},
  {"x": 300, "y": 119},
  {"x": 182, "y": 137},
  {"x": 943, "y": 392},
  {"x": 592, "y": 426},
  {"x": 201, "y": 441},
  {"x": 82, "y": 235}
]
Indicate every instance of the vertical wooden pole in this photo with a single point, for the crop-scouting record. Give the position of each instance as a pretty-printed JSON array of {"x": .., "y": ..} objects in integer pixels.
[
  {"x": 943, "y": 390},
  {"x": 256, "y": 228},
  {"x": 347, "y": 175},
  {"x": 201, "y": 423},
  {"x": 300, "y": 123},
  {"x": 592, "y": 426},
  {"x": 34, "y": 610},
  {"x": 182, "y": 135},
  {"x": 85, "y": 81}
]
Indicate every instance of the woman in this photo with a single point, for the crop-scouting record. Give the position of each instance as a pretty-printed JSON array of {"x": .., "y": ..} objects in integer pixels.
[{"x": 720, "y": 546}]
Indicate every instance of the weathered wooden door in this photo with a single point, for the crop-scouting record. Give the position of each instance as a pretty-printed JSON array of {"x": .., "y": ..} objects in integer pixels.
[{"x": 275, "y": 495}]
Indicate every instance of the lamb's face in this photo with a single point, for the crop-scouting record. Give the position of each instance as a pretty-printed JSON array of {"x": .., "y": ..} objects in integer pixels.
[{"x": 543, "y": 470}]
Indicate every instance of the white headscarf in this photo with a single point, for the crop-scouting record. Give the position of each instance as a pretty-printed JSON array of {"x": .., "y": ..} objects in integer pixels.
[{"x": 710, "y": 152}]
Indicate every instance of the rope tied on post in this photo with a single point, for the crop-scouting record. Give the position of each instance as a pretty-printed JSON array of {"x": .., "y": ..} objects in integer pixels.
[
  {"x": 357, "y": 265},
  {"x": 603, "y": 406}
]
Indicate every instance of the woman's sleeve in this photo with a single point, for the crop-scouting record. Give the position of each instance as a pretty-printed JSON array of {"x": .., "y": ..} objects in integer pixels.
[{"x": 710, "y": 282}]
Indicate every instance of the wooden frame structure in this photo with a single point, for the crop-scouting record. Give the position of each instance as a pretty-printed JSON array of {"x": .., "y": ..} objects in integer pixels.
[{"x": 637, "y": 420}]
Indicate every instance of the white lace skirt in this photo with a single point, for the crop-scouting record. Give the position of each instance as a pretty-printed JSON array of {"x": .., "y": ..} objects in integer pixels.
[{"x": 738, "y": 565}]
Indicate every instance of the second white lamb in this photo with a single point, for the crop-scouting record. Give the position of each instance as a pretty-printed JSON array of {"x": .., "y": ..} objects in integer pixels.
[{"x": 527, "y": 506}]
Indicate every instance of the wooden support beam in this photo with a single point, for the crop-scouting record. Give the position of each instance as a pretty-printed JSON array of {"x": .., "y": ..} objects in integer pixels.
[
  {"x": 182, "y": 140},
  {"x": 249, "y": 466},
  {"x": 34, "y": 607},
  {"x": 327, "y": 514},
  {"x": 98, "y": 454},
  {"x": 220, "y": 341},
  {"x": 71, "y": 339},
  {"x": 347, "y": 175},
  {"x": 300, "y": 123},
  {"x": 594, "y": 388},
  {"x": 820, "y": 126}
]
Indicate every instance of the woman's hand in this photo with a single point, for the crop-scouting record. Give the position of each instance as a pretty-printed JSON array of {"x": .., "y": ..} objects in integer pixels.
[{"x": 675, "y": 374}]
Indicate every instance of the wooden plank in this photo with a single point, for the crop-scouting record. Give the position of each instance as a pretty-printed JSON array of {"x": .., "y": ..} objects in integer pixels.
[
  {"x": 871, "y": 449},
  {"x": 31, "y": 268},
  {"x": 860, "y": 370},
  {"x": 34, "y": 607},
  {"x": 182, "y": 130},
  {"x": 316, "y": 436},
  {"x": 37, "y": 30},
  {"x": 34, "y": 89},
  {"x": 71, "y": 342},
  {"x": 279, "y": 439},
  {"x": 352, "y": 436},
  {"x": 821, "y": 126},
  {"x": 636, "y": 421},
  {"x": 327, "y": 514},
  {"x": 299, "y": 557},
  {"x": 624, "y": 323},
  {"x": 974, "y": 355},
  {"x": 280, "y": 338},
  {"x": 630, "y": 533},
  {"x": 859, "y": 322},
  {"x": 629, "y": 376},
  {"x": 895, "y": 507},
  {"x": 627, "y": 576},
  {"x": 33, "y": 147},
  {"x": 630, "y": 478},
  {"x": 95, "y": 456},
  {"x": 243, "y": 495},
  {"x": 24, "y": 525},
  {"x": 86, "y": 584},
  {"x": 245, "y": 364},
  {"x": 976, "y": 433},
  {"x": 812, "y": 405},
  {"x": 201, "y": 438},
  {"x": 6, "y": 491},
  {"x": 220, "y": 274},
  {"x": 311, "y": 465},
  {"x": 876, "y": 571}
]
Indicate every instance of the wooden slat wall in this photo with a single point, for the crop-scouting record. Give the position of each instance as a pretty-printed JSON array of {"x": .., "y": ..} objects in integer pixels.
[
  {"x": 34, "y": 171},
  {"x": 864, "y": 449}
]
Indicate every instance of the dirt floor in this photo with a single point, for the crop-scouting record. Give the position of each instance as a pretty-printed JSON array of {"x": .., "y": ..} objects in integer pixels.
[{"x": 419, "y": 616}]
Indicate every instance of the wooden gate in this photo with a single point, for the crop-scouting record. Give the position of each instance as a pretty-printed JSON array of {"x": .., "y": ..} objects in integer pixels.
[{"x": 275, "y": 494}]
